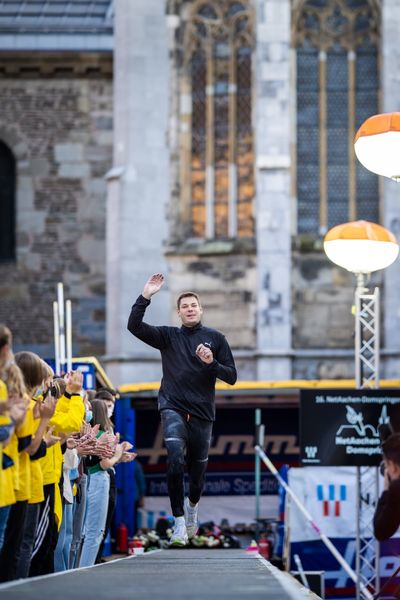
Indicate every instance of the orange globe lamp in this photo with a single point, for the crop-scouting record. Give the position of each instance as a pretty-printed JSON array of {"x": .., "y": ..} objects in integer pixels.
[
  {"x": 377, "y": 145},
  {"x": 361, "y": 246}
]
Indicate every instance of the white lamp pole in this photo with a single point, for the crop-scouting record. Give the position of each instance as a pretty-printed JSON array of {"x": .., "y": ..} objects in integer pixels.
[
  {"x": 377, "y": 147},
  {"x": 362, "y": 247}
]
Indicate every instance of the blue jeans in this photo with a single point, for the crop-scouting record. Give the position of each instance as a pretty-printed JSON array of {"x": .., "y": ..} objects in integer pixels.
[
  {"x": 63, "y": 548},
  {"x": 4, "y": 512},
  {"x": 96, "y": 514}
]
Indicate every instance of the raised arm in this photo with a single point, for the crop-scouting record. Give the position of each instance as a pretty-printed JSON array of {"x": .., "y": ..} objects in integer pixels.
[
  {"x": 150, "y": 334},
  {"x": 70, "y": 410}
]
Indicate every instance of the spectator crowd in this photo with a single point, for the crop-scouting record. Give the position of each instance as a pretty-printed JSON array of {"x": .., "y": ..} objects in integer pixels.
[{"x": 58, "y": 452}]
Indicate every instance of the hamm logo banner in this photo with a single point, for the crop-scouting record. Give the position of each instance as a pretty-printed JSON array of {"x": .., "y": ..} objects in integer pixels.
[
  {"x": 329, "y": 494},
  {"x": 331, "y": 497}
]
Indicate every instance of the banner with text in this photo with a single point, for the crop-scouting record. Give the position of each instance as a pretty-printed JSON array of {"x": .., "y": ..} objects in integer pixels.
[
  {"x": 329, "y": 495},
  {"x": 340, "y": 427}
]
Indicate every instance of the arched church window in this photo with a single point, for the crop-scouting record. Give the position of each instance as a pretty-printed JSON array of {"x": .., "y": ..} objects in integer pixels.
[
  {"x": 7, "y": 203},
  {"x": 336, "y": 45},
  {"x": 217, "y": 156}
]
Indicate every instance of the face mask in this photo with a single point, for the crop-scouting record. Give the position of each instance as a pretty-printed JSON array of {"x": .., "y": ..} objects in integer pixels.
[
  {"x": 39, "y": 392},
  {"x": 88, "y": 416},
  {"x": 110, "y": 412},
  {"x": 10, "y": 361}
]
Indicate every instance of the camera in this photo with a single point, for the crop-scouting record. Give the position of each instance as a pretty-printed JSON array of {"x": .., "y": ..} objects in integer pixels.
[{"x": 52, "y": 390}]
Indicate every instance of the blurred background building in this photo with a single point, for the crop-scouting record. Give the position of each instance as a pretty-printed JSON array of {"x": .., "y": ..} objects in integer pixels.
[{"x": 209, "y": 140}]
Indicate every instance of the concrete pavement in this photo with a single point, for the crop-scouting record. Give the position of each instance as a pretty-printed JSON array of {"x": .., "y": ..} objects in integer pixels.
[{"x": 179, "y": 574}]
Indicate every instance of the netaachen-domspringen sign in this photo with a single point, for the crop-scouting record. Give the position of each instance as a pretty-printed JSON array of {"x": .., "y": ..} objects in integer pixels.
[{"x": 339, "y": 427}]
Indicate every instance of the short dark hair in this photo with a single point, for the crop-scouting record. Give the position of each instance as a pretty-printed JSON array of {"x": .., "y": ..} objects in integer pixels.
[
  {"x": 90, "y": 395},
  {"x": 110, "y": 390},
  {"x": 187, "y": 295},
  {"x": 104, "y": 395},
  {"x": 391, "y": 448}
]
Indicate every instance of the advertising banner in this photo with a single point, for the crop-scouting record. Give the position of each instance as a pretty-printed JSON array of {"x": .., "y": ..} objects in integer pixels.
[
  {"x": 329, "y": 494},
  {"x": 87, "y": 369},
  {"x": 340, "y": 427},
  {"x": 230, "y": 483}
]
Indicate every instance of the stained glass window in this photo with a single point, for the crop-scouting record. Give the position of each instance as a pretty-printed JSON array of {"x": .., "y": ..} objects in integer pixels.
[
  {"x": 218, "y": 54},
  {"x": 198, "y": 166},
  {"x": 337, "y": 89}
]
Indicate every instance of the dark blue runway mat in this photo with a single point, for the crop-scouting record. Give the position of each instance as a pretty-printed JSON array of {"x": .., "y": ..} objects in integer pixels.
[{"x": 177, "y": 574}]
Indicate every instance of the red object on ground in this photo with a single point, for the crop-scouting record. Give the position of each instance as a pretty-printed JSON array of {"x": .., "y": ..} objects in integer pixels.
[
  {"x": 264, "y": 548},
  {"x": 122, "y": 538},
  {"x": 136, "y": 546}
]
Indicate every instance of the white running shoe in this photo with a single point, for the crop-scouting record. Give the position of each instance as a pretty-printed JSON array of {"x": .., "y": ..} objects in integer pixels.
[
  {"x": 179, "y": 537},
  {"x": 192, "y": 524}
]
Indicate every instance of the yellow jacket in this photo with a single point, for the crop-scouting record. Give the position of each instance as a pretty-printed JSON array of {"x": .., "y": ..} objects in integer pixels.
[
  {"x": 24, "y": 435},
  {"x": 36, "y": 472},
  {"x": 67, "y": 418},
  {"x": 7, "y": 494}
]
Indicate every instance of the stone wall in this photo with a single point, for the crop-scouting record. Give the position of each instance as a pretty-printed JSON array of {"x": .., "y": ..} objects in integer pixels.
[
  {"x": 60, "y": 131},
  {"x": 226, "y": 285},
  {"x": 322, "y": 318},
  {"x": 322, "y": 301}
]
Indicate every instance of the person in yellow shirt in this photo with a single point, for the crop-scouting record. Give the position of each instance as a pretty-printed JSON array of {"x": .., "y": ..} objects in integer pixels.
[
  {"x": 12, "y": 413},
  {"x": 68, "y": 418},
  {"x": 7, "y": 496},
  {"x": 25, "y": 444},
  {"x": 41, "y": 409}
]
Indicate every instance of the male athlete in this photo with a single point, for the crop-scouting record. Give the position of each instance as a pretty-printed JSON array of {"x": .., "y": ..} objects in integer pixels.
[{"x": 193, "y": 357}]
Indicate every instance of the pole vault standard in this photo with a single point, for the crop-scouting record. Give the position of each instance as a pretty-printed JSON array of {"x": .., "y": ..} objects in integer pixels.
[
  {"x": 62, "y": 317},
  {"x": 304, "y": 511}
]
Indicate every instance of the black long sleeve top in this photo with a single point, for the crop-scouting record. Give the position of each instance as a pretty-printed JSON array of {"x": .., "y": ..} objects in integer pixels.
[
  {"x": 387, "y": 512},
  {"x": 188, "y": 384}
]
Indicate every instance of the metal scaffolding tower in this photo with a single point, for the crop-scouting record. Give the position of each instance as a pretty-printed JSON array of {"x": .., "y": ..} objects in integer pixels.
[{"x": 367, "y": 342}]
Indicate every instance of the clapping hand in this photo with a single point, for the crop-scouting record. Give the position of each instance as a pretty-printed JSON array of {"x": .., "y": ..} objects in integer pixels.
[
  {"x": 72, "y": 443},
  {"x": 126, "y": 446},
  {"x": 86, "y": 447},
  {"x": 88, "y": 432},
  {"x": 51, "y": 439},
  {"x": 88, "y": 442},
  {"x": 47, "y": 407},
  {"x": 106, "y": 445},
  {"x": 17, "y": 407},
  {"x": 128, "y": 457},
  {"x": 74, "y": 381}
]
